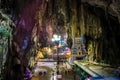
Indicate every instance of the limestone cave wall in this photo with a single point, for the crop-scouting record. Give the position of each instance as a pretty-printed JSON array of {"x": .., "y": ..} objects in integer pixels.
[
  {"x": 36, "y": 21},
  {"x": 104, "y": 38},
  {"x": 99, "y": 27}
]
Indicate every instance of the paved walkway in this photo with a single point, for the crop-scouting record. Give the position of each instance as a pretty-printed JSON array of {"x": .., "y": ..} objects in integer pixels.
[
  {"x": 107, "y": 72},
  {"x": 49, "y": 68}
]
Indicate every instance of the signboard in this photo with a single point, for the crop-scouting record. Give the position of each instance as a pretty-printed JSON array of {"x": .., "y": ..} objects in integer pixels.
[{"x": 77, "y": 41}]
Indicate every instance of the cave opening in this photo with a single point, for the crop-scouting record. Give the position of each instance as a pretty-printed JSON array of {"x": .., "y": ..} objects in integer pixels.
[{"x": 28, "y": 26}]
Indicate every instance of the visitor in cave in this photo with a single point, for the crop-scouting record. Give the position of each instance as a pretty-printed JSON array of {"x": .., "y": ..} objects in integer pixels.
[
  {"x": 117, "y": 72},
  {"x": 27, "y": 75}
]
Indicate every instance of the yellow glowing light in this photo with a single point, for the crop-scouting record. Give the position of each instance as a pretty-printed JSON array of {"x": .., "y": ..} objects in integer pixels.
[
  {"x": 49, "y": 50},
  {"x": 39, "y": 55}
]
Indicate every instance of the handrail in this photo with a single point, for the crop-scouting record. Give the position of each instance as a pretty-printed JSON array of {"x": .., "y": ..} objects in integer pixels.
[{"x": 89, "y": 71}]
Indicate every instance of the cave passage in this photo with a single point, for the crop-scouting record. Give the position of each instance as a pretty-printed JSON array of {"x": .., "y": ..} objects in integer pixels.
[{"x": 65, "y": 39}]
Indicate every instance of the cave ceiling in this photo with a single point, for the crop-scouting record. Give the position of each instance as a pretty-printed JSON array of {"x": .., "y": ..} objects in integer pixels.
[
  {"x": 111, "y": 6},
  {"x": 28, "y": 14}
]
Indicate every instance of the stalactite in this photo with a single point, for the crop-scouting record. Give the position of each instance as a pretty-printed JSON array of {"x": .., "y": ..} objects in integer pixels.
[
  {"x": 82, "y": 21},
  {"x": 74, "y": 20},
  {"x": 92, "y": 33},
  {"x": 68, "y": 11}
]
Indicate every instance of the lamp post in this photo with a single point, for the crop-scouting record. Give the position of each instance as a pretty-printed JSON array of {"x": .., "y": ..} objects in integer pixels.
[{"x": 56, "y": 39}]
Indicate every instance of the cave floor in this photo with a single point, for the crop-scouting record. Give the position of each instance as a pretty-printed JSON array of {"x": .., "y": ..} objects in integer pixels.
[
  {"x": 103, "y": 70},
  {"x": 49, "y": 67}
]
